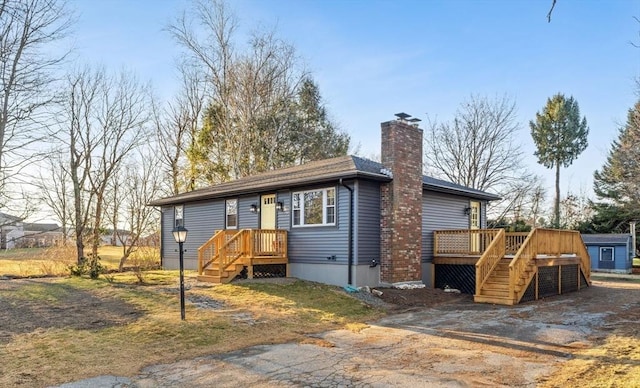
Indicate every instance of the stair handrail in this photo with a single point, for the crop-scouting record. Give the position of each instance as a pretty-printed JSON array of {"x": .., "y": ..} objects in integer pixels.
[
  {"x": 208, "y": 251},
  {"x": 520, "y": 262},
  {"x": 233, "y": 249},
  {"x": 489, "y": 259},
  {"x": 585, "y": 259}
]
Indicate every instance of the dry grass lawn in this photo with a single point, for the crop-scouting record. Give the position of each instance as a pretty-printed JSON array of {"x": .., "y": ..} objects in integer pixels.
[
  {"x": 118, "y": 327},
  {"x": 54, "y": 261}
]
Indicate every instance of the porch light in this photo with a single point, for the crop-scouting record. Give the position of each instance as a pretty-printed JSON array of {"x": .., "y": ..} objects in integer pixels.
[
  {"x": 467, "y": 210},
  {"x": 279, "y": 206},
  {"x": 253, "y": 208},
  {"x": 180, "y": 234}
]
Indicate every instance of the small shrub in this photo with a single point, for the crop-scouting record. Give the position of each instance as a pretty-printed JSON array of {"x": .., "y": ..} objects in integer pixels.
[
  {"x": 80, "y": 268},
  {"x": 88, "y": 265},
  {"x": 144, "y": 259}
]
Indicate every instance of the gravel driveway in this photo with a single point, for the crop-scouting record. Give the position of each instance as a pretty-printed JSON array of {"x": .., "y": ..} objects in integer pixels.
[{"x": 456, "y": 344}]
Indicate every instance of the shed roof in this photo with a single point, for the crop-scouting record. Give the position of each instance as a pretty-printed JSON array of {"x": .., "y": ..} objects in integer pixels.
[
  {"x": 608, "y": 239},
  {"x": 321, "y": 171}
]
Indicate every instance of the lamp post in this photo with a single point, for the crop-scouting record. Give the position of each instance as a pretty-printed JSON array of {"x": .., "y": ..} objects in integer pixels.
[{"x": 180, "y": 235}]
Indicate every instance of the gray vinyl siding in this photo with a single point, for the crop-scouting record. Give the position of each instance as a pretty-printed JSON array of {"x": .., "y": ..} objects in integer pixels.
[
  {"x": 367, "y": 228},
  {"x": 283, "y": 218},
  {"x": 168, "y": 243},
  {"x": 314, "y": 244},
  {"x": 444, "y": 211},
  {"x": 246, "y": 219}
]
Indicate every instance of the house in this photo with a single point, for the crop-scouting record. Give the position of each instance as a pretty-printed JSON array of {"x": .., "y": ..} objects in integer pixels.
[
  {"x": 610, "y": 252},
  {"x": 115, "y": 237},
  {"x": 11, "y": 230},
  {"x": 349, "y": 220},
  {"x": 41, "y": 235}
]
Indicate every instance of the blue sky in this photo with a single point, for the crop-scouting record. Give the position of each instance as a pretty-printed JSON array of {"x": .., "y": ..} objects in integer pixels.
[{"x": 376, "y": 58}]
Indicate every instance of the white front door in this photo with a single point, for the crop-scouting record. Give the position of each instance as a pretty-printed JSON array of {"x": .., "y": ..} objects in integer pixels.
[
  {"x": 267, "y": 241},
  {"x": 268, "y": 211}
]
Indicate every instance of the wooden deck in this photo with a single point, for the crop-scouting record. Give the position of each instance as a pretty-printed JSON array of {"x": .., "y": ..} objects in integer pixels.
[
  {"x": 228, "y": 252},
  {"x": 508, "y": 265}
]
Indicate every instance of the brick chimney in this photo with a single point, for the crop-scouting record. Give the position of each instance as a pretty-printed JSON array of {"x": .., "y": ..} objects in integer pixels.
[{"x": 401, "y": 203}]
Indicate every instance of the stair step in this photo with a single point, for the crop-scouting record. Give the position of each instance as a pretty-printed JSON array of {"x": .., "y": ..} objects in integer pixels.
[
  {"x": 492, "y": 292},
  {"x": 209, "y": 279},
  {"x": 493, "y": 299},
  {"x": 489, "y": 285}
]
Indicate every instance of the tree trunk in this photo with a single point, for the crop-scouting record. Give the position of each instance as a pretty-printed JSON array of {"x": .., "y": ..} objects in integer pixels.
[
  {"x": 556, "y": 205},
  {"x": 96, "y": 226}
]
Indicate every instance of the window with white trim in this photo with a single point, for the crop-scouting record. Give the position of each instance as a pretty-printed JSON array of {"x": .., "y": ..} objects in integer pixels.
[
  {"x": 231, "y": 213},
  {"x": 178, "y": 215},
  {"x": 606, "y": 254},
  {"x": 314, "y": 207}
]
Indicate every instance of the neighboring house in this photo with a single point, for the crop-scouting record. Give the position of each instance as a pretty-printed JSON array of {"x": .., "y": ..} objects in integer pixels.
[
  {"x": 11, "y": 231},
  {"x": 41, "y": 235},
  {"x": 346, "y": 220},
  {"x": 610, "y": 252},
  {"x": 109, "y": 237},
  {"x": 350, "y": 220}
]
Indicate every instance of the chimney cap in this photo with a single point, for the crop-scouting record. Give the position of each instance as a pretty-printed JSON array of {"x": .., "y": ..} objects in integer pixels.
[{"x": 402, "y": 116}]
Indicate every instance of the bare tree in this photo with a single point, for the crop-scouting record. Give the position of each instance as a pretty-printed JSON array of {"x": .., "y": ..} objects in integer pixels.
[
  {"x": 256, "y": 116},
  {"x": 141, "y": 181},
  {"x": 478, "y": 149},
  {"x": 27, "y": 66},
  {"x": 54, "y": 187},
  {"x": 105, "y": 121},
  {"x": 176, "y": 128}
]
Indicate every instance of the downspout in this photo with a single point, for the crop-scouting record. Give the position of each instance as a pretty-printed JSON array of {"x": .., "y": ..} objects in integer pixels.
[{"x": 350, "y": 254}]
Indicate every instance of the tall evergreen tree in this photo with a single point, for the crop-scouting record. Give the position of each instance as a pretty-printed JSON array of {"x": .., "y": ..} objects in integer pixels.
[
  {"x": 560, "y": 136},
  {"x": 617, "y": 183}
]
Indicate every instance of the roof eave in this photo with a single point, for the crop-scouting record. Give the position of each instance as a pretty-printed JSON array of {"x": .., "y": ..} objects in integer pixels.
[
  {"x": 451, "y": 190},
  {"x": 292, "y": 184}
]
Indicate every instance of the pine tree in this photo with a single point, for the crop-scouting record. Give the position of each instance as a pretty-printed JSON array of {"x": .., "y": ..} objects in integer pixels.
[
  {"x": 560, "y": 136},
  {"x": 617, "y": 184}
]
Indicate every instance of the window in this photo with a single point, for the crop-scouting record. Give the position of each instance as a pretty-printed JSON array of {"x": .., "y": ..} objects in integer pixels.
[
  {"x": 231, "y": 212},
  {"x": 606, "y": 254},
  {"x": 178, "y": 212},
  {"x": 314, "y": 207}
]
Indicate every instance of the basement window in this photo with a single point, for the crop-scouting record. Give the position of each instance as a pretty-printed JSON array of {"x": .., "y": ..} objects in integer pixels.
[{"x": 314, "y": 207}]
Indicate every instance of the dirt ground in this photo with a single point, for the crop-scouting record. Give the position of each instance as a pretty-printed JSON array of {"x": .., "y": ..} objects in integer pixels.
[{"x": 433, "y": 337}]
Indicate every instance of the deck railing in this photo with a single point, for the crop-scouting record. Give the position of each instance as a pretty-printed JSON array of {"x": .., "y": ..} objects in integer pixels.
[
  {"x": 513, "y": 241},
  {"x": 227, "y": 246},
  {"x": 489, "y": 259},
  {"x": 463, "y": 242},
  {"x": 545, "y": 242}
]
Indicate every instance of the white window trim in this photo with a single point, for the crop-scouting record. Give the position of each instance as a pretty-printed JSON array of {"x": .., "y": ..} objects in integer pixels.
[
  {"x": 226, "y": 219},
  {"x": 613, "y": 254},
  {"x": 324, "y": 208}
]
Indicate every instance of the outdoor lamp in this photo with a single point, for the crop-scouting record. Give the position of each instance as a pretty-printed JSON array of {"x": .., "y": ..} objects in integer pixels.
[
  {"x": 180, "y": 235},
  {"x": 279, "y": 206}
]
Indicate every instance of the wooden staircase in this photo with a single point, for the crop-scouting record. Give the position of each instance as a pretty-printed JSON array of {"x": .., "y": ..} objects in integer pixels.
[
  {"x": 225, "y": 255},
  {"x": 497, "y": 288},
  {"x": 213, "y": 274},
  {"x": 505, "y": 281}
]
